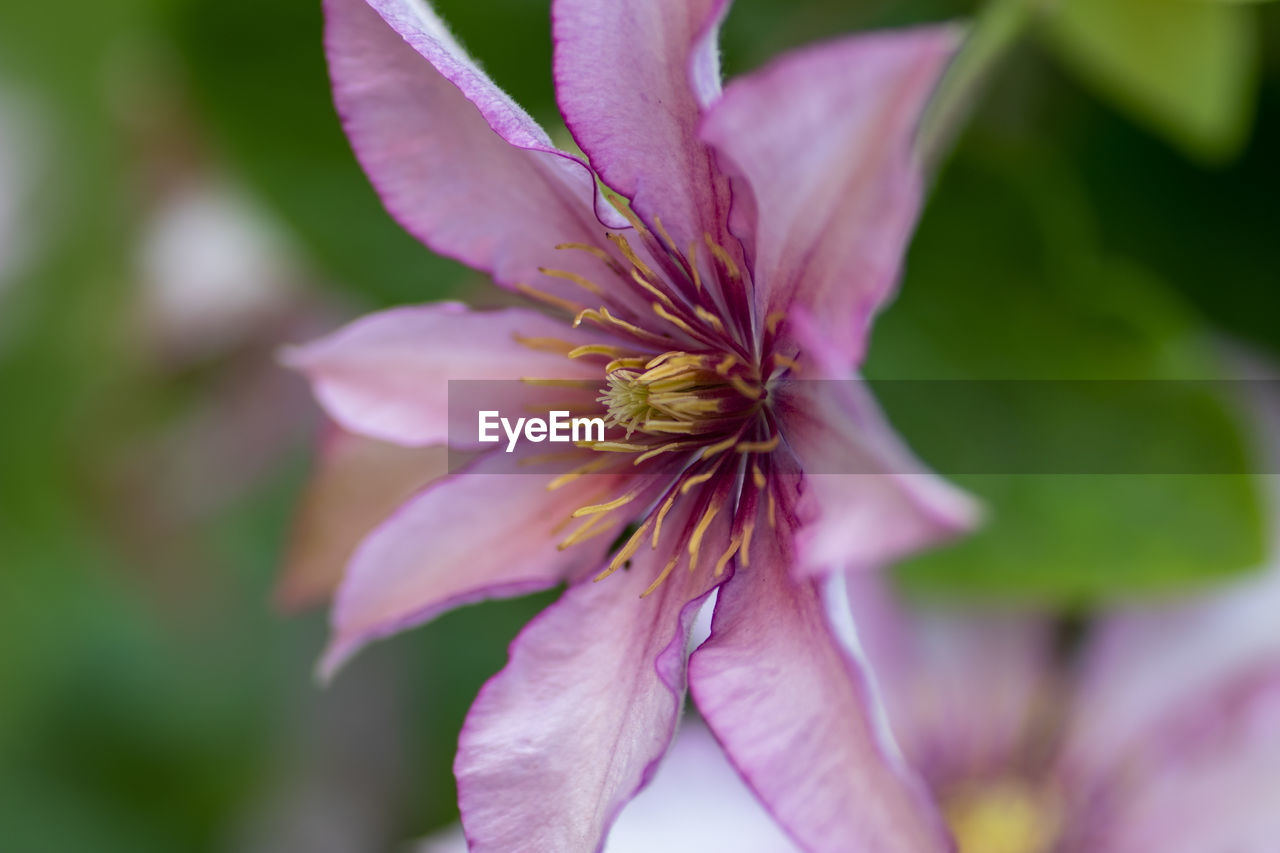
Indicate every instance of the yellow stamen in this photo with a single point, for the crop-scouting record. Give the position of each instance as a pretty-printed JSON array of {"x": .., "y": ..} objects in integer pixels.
[
  {"x": 553, "y": 345},
  {"x": 558, "y": 302},
  {"x": 718, "y": 447},
  {"x": 665, "y": 447},
  {"x": 734, "y": 544},
  {"x": 721, "y": 255},
  {"x": 710, "y": 319},
  {"x": 693, "y": 266},
  {"x": 597, "y": 349},
  {"x": 595, "y": 251},
  {"x": 696, "y": 480},
  {"x": 673, "y": 319},
  {"x": 748, "y": 527},
  {"x": 671, "y": 244},
  {"x": 620, "y": 363},
  {"x": 580, "y": 280},
  {"x": 634, "y": 259},
  {"x": 626, "y": 552},
  {"x": 666, "y": 572},
  {"x": 695, "y": 539},
  {"x": 772, "y": 322},
  {"x": 589, "y": 529},
  {"x": 608, "y": 506},
  {"x": 757, "y": 475},
  {"x": 590, "y": 468},
  {"x": 761, "y": 446},
  {"x": 662, "y": 513},
  {"x": 751, "y": 392}
]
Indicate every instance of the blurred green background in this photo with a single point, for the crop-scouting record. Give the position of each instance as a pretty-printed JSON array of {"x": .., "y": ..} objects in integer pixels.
[{"x": 177, "y": 201}]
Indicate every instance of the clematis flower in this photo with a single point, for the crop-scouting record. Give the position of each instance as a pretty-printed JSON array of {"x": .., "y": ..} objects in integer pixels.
[
  {"x": 1161, "y": 732},
  {"x": 757, "y": 231}
]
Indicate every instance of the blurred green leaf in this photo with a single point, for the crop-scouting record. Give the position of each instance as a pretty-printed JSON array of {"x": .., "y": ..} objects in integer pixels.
[
  {"x": 1005, "y": 281},
  {"x": 1186, "y": 68}
]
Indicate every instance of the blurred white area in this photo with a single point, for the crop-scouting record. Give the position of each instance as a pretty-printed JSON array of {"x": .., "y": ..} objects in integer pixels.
[
  {"x": 21, "y": 167},
  {"x": 696, "y": 803},
  {"x": 213, "y": 266}
]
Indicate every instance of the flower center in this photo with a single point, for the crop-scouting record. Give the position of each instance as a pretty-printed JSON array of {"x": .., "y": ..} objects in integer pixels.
[
  {"x": 677, "y": 392},
  {"x": 1005, "y": 816},
  {"x": 686, "y": 383}
]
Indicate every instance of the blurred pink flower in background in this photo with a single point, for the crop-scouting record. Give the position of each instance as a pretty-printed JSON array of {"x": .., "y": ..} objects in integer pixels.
[
  {"x": 1162, "y": 732},
  {"x": 765, "y": 227}
]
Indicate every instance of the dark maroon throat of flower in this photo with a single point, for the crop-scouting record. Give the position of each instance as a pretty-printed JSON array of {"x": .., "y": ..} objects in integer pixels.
[{"x": 686, "y": 381}]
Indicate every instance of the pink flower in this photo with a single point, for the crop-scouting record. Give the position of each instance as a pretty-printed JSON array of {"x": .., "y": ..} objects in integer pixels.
[
  {"x": 765, "y": 227},
  {"x": 1160, "y": 732}
]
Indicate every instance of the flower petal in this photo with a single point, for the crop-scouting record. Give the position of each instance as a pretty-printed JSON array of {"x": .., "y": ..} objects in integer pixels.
[
  {"x": 632, "y": 77},
  {"x": 823, "y": 139},
  {"x": 1143, "y": 665},
  {"x": 869, "y": 501},
  {"x": 575, "y": 725},
  {"x": 481, "y": 533},
  {"x": 797, "y": 716},
  {"x": 458, "y": 163},
  {"x": 386, "y": 375},
  {"x": 959, "y": 686},
  {"x": 697, "y": 802},
  {"x": 1209, "y": 786},
  {"x": 357, "y": 483}
]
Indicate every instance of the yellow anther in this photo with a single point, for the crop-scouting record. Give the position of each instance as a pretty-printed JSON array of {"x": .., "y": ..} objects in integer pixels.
[
  {"x": 710, "y": 319},
  {"x": 589, "y": 529},
  {"x": 608, "y": 506},
  {"x": 595, "y": 251},
  {"x": 785, "y": 361},
  {"x": 558, "y": 302},
  {"x": 693, "y": 266},
  {"x": 671, "y": 244},
  {"x": 620, "y": 363},
  {"x": 580, "y": 280},
  {"x": 587, "y": 314},
  {"x": 673, "y": 319},
  {"x": 746, "y": 389},
  {"x": 748, "y": 527},
  {"x": 674, "y": 427},
  {"x": 695, "y": 480},
  {"x": 761, "y": 446},
  {"x": 597, "y": 349},
  {"x": 614, "y": 446},
  {"x": 774, "y": 320},
  {"x": 734, "y": 544},
  {"x": 590, "y": 468},
  {"x": 629, "y": 253},
  {"x": 718, "y": 447},
  {"x": 662, "y": 576},
  {"x": 695, "y": 538},
  {"x": 757, "y": 475},
  {"x": 626, "y": 552},
  {"x": 640, "y": 280},
  {"x": 721, "y": 255},
  {"x": 773, "y": 511},
  {"x": 659, "y": 359},
  {"x": 726, "y": 363},
  {"x": 665, "y": 447},
  {"x": 554, "y": 345},
  {"x": 662, "y": 513}
]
